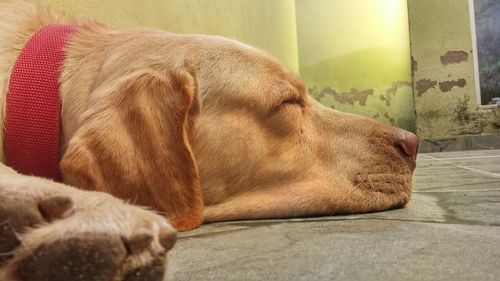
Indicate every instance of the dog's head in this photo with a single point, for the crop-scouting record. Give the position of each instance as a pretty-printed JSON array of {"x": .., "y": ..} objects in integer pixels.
[
  {"x": 198, "y": 112},
  {"x": 266, "y": 149}
]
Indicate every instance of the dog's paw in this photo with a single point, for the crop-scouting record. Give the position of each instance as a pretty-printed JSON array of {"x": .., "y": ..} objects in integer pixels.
[
  {"x": 15, "y": 217},
  {"x": 67, "y": 234}
]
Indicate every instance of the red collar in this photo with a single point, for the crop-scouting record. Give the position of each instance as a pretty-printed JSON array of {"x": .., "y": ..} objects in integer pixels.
[{"x": 33, "y": 110}]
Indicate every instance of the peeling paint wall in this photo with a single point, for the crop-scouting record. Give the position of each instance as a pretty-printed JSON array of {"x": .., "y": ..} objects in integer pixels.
[
  {"x": 443, "y": 73},
  {"x": 269, "y": 25},
  {"x": 355, "y": 57}
]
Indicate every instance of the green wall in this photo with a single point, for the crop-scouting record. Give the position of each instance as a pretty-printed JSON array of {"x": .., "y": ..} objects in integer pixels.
[
  {"x": 445, "y": 101},
  {"x": 267, "y": 24},
  {"x": 354, "y": 54},
  {"x": 355, "y": 57}
]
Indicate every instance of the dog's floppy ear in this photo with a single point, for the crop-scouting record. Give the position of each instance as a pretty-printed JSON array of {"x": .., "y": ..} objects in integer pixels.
[{"x": 134, "y": 143}]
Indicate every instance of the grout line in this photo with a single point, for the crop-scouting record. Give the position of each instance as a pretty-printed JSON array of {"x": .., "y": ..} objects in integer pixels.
[
  {"x": 434, "y": 166},
  {"x": 466, "y": 168},
  {"x": 465, "y": 184},
  {"x": 426, "y": 156},
  {"x": 470, "y": 157},
  {"x": 464, "y": 190}
]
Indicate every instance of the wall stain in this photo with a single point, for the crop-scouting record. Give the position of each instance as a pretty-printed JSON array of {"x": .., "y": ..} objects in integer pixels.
[
  {"x": 314, "y": 92},
  {"x": 461, "y": 111},
  {"x": 414, "y": 64},
  {"x": 446, "y": 86},
  {"x": 431, "y": 114},
  {"x": 424, "y": 85},
  {"x": 348, "y": 97},
  {"x": 396, "y": 85},
  {"x": 391, "y": 120},
  {"x": 454, "y": 57},
  {"x": 468, "y": 118}
]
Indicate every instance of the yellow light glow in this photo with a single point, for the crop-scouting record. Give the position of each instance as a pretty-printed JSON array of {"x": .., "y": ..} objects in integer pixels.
[{"x": 391, "y": 13}]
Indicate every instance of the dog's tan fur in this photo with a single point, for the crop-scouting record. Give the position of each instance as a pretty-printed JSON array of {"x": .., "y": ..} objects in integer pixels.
[{"x": 200, "y": 128}]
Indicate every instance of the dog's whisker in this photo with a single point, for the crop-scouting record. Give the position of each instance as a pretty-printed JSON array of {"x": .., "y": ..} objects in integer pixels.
[
  {"x": 365, "y": 184},
  {"x": 372, "y": 187},
  {"x": 401, "y": 187},
  {"x": 6, "y": 254},
  {"x": 22, "y": 242},
  {"x": 5, "y": 222},
  {"x": 379, "y": 205},
  {"x": 344, "y": 198}
]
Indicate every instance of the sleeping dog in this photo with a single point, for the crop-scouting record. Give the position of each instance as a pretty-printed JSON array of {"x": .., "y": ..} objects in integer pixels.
[{"x": 157, "y": 132}]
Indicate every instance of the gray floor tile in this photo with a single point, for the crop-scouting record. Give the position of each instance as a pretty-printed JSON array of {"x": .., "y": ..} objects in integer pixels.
[
  {"x": 342, "y": 250},
  {"x": 450, "y": 230}
]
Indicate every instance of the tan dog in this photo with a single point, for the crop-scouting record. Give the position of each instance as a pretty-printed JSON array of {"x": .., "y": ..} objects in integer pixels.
[{"x": 199, "y": 128}]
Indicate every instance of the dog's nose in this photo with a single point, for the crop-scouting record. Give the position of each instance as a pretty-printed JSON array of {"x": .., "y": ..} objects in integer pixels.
[{"x": 408, "y": 143}]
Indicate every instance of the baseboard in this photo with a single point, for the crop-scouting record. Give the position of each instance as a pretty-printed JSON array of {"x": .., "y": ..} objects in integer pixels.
[{"x": 460, "y": 143}]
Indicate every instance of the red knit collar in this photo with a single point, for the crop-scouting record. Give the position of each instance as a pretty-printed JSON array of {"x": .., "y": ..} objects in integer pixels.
[{"x": 33, "y": 111}]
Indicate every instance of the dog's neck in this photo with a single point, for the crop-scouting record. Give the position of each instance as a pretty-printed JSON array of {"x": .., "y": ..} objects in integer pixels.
[
  {"x": 32, "y": 118},
  {"x": 79, "y": 74}
]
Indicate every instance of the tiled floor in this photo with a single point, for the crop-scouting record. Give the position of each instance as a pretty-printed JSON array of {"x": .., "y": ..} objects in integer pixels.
[{"x": 449, "y": 231}]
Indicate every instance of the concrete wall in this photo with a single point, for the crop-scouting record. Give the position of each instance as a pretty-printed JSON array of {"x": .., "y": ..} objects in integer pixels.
[
  {"x": 445, "y": 101},
  {"x": 355, "y": 57},
  {"x": 269, "y": 25}
]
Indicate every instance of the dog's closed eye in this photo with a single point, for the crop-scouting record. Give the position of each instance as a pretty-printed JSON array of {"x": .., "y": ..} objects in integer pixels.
[
  {"x": 291, "y": 101},
  {"x": 287, "y": 106}
]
